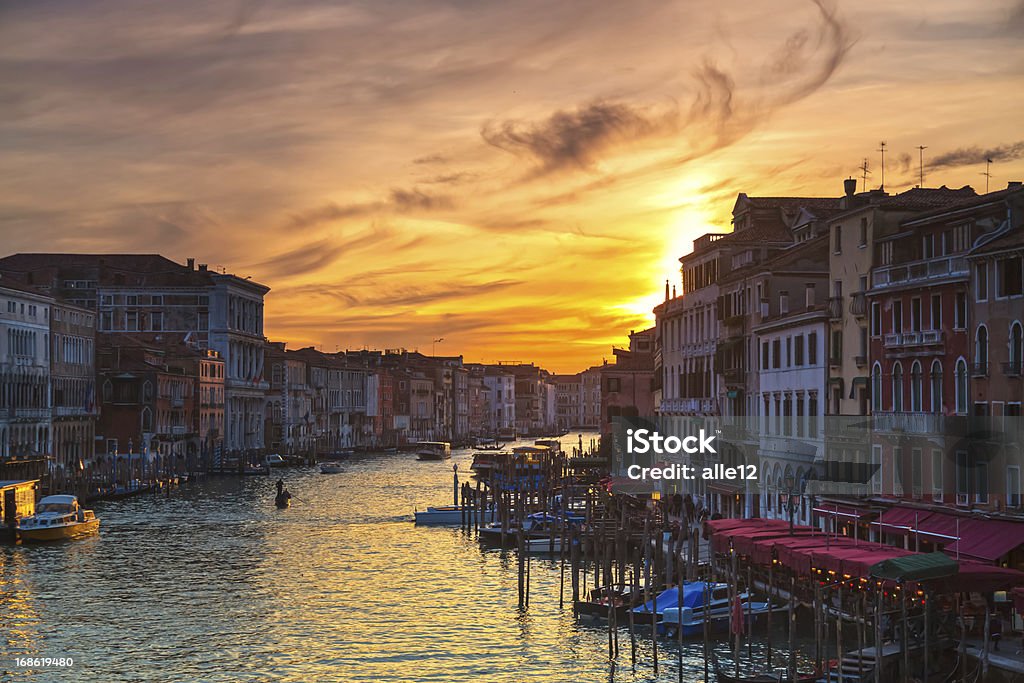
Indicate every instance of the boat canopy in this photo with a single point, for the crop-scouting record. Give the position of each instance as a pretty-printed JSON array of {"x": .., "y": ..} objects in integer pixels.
[
  {"x": 440, "y": 444},
  {"x": 916, "y": 567}
]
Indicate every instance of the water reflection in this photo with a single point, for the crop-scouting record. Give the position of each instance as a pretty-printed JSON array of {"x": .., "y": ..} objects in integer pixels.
[{"x": 215, "y": 584}]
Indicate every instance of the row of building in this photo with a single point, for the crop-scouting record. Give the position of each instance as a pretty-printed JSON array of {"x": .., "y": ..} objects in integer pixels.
[
  {"x": 815, "y": 313},
  {"x": 124, "y": 353}
]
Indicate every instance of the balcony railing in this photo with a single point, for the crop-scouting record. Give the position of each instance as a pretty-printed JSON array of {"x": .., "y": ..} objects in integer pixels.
[
  {"x": 699, "y": 406},
  {"x": 910, "y": 423},
  {"x": 922, "y": 338},
  {"x": 861, "y": 361},
  {"x": 858, "y": 304},
  {"x": 1012, "y": 368},
  {"x": 835, "y": 308},
  {"x": 979, "y": 369},
  {"x": 919, "y": 271}
]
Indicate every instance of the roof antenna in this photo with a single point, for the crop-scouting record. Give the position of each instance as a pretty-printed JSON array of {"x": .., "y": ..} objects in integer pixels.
[
  {"x": 987, "y": 173},
  {"x": 864, "y": 175},
  {"x": 920, "y": 152},
  {"x": 882, "y": 150}
]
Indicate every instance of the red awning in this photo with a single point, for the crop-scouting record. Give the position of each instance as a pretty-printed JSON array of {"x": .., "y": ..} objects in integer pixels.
[
  {"x": 987, "y": 539},
  {"x": 975, "y": 577},
  {"x": 762, "y": 553}
]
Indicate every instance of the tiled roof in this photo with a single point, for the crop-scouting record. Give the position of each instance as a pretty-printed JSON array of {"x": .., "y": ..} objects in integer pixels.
[
  {"x": 925, "y": 198},
  {"x": 968, "y": 201},
  {"x": 790, "y": 204}
]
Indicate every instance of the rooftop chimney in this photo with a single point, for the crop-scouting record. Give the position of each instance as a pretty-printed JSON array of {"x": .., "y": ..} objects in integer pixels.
[
  {"x": 666, "y": 289},
  {"x": 202, "y": 267},
  {"x": 191, "y": 263},
  {"x": 850, "y": 186},
  {"x": 1012, "y": 184}
]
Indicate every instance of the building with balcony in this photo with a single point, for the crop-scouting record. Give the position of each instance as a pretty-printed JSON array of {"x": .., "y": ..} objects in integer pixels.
[
  {"x": 148, "y": 294},
  {"x": 627, "y": 384},
  {"x": 25, "y": 411},
  {"x": 73, "y": 383},
  {"x": 500, "y": 399},
  {"x": 929, "y": 351}
]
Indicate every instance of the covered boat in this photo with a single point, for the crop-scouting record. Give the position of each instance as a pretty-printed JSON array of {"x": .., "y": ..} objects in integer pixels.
[
  {"x": 433, "y": 450},
  {"x": 57, "y": 518}
]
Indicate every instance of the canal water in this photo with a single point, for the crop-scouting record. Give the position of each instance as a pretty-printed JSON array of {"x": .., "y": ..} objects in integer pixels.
[{"x": 215, "y": 584}]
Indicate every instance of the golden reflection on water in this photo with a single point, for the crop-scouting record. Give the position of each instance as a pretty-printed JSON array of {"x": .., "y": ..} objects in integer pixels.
[{"x": 215, "y": 584}]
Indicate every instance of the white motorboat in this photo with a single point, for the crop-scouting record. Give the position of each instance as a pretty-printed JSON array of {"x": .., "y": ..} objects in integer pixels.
[
  {"x": 433, "y": 450},
  {"x": 57, "y": 518},
  {"x": 275, "y": 460},
  {"x": 442, "y": 515},
  {"x": 331, "y": 467}
]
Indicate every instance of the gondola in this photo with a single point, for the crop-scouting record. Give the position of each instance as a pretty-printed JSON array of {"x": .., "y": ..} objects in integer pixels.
[{"x": 283, "y": 500}]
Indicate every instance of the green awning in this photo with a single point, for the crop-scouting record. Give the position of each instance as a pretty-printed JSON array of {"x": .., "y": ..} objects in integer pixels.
[{"x": 918, "y": 567}]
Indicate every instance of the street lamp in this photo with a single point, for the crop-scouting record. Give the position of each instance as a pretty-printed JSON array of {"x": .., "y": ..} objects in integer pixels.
[{"x": 790, "y": 504}]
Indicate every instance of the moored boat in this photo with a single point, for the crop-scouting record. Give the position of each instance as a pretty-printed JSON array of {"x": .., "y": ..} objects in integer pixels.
[
  {"x": 276, "y": 460},
  {"x": 777, "y": 676},
  {"x": 56, "y": 518},
  {"x": 433, "y": 450},
  {"x": 442, "y": 515},
  {"x": 622, "y": 598}
]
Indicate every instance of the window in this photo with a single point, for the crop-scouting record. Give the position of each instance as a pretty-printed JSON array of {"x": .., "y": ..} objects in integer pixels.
[
  {"x": 789, "y": 352},
  {"x": 981, "y": 282},
  {"x": 915, "y": 314},
  {"x": 876, "y": 388},
  {"x": 936, "y": 312},
  {"x": 916, "y": 465},
  {"x": 916, "y": 386},
  {"x": 837, "y": 239},
  {"x": 960, "y": 313},
  {"x": 613, "y": 385},
  {"x": 156, "y": 321},
  {"x": 927, "y": 246},
  {"x": 981, "y": 482},
  {"x": 876, "y": 319},
  {"x": 863, "y": 241},
  {"x": 962, "y": 478},
  {"x": 837, "y": 289},
  {"x": 936, "y": 386},
  {"x": 876, "y": 468},
  {"x": 961, "y": 386},
  {"x": 1016, "y": 348},
  {"x": 1009, "y": 278},
  {"x": 897, "y": 316},
  {"x": 776, "y": 353},
  {"x": 937, "y": 475},
  {"x": 836, "y": 355},
  {"x": 981, "y": 351},
  {"x": 897, "y": 471},
  {"x": 1013, "y": 486},
  {"x": 812, "y": 348},
  {"x": 798, "y": 350},
  {"x": 897, "y": 387}
]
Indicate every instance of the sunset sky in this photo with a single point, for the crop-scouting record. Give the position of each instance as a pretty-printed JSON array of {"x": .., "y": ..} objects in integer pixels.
[{"x": 517, "y": 177}]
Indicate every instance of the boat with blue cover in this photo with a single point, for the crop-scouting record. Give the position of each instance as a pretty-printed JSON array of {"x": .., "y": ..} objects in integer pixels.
[{"x": 700, "y": 600}]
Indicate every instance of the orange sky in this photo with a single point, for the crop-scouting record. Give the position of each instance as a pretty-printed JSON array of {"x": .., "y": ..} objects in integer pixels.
[{"x": 518, "y": 178}]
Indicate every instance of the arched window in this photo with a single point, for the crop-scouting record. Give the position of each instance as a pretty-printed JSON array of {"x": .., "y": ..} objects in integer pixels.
[
  {"x": 147, "y": 392},
  {"x": 1016, "y": 348},
  {"x": 916, "y": 386},
  {"x": 961, "y": 386},
  {"x": 936, "y": 386},
  {"x": 897, "y": 387},
  {"x": 108, "y": 391},
  {"x": 981, "y": 351},
  {"x": 876, "y": 388},
  {"x": 147, "y": 420}
]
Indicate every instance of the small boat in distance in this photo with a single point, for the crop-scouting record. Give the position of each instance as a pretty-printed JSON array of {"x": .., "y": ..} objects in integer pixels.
[
  {"x": 442, "y": 515},
  {"x": 275, "y": 460},
  {"x": 331, "y": 467},
  {"x": 57, "y": 518},
  {"x": 283, "y": 499},
  {"x": 433, "y": 450}
]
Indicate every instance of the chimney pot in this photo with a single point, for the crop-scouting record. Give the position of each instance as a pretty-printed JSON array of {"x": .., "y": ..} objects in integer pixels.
[
  {"x": 850, "y": 186},
  {"x": 191, "y": 263}
]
